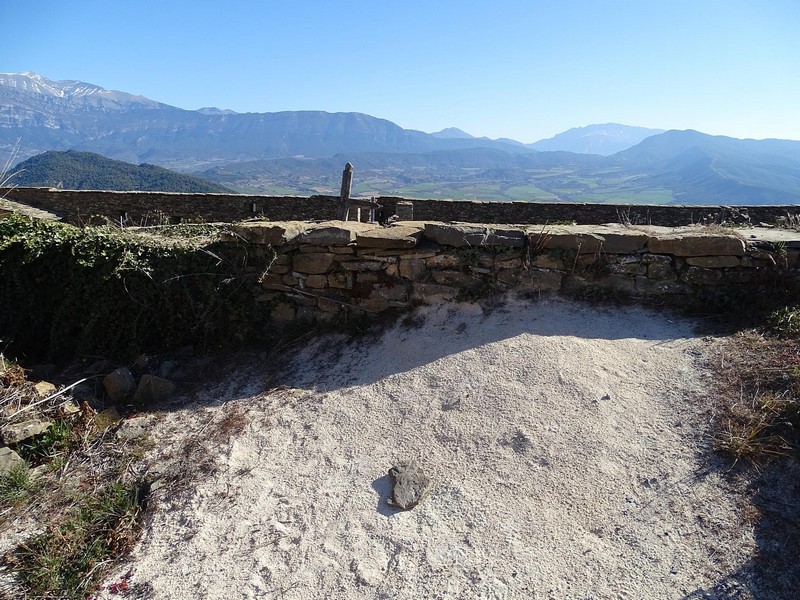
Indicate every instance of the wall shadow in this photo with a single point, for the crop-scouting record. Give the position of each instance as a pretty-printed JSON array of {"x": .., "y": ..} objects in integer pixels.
[{"x": 431, "y": 333}]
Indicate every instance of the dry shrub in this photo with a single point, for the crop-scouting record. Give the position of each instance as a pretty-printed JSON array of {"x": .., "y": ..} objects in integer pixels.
[{"x": 758, "y": 400}]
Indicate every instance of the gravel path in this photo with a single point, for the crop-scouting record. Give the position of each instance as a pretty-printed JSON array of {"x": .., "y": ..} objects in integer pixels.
[{"x": 564, "y": 442}]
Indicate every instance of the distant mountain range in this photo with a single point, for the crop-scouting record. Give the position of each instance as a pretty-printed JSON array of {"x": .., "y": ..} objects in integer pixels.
[
  {"x": 73, "y": 170},
  {"x": 605, "y": 139},
  {"x": 303, "y": 152}
]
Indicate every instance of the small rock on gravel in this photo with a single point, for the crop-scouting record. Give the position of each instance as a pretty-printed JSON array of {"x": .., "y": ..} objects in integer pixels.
[{"x": 410, "y": 485}]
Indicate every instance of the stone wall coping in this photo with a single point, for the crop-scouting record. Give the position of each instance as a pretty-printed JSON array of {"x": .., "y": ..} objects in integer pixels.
[
  {"x": 333, "y": 270},
  {"x": 749, "y": 235}
]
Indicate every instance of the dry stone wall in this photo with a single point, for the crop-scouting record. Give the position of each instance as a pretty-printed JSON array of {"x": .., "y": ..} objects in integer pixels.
[
  {"x": 334, "y": 270},
  {"x": 147, "y": 208},
  {"x": 82, "y": 207}
]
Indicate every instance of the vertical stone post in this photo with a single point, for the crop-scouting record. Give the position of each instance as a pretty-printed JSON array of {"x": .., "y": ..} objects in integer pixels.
[{"x": 344, "y": 196}]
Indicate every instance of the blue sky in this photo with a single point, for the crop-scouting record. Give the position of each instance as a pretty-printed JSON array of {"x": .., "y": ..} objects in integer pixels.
[{"x": 503, "y": 68}]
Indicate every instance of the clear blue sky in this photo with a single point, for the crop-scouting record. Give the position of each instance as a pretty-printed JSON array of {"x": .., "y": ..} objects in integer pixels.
[{"x": 524, "y": 69}]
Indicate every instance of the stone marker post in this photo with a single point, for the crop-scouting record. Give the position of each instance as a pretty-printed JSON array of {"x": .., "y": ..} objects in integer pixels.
[
  {"x": 346, "y": 203},
  {"x": 344, "y": 196}
]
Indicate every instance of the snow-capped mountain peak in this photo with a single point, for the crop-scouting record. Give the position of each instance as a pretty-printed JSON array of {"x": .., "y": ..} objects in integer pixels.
[{"x": 76, "y": 92}]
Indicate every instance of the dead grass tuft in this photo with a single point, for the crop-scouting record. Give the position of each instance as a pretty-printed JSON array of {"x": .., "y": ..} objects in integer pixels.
[
  {"x": 79, "y": 491},
  {"x": 758, "y": 397},
  {"x": 11, "y": 374}
]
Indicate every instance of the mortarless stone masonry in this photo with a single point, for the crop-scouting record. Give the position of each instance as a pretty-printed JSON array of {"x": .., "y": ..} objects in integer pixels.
[
  {"x": 149, "y": 208},
  {"x": 332, "y": 270},
  {"x": 413, "y": 262}
]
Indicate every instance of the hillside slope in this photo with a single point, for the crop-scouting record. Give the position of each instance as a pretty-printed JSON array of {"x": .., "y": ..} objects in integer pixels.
[{"x": 88, "y": 171}]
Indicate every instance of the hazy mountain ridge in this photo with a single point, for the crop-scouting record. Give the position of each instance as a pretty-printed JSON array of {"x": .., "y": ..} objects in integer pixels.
[
  {"x": 688, "y": 170},
  {"x": 299, "y": 152},
  {"x": 605, "y": 139},
  {"x": 50, "y": 115}
]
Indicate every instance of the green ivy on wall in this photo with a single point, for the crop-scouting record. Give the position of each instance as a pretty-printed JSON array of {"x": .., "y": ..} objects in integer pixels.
[{"x": 101, "y": 291}]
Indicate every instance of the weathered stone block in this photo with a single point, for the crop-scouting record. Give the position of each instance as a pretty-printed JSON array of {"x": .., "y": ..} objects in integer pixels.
[
  {"x": 624, "y": 243},
  {"x": 280, "y": 269},
  {"x": 443, "y": 261},
  {"x": 309, "y": 249},
  {"x": 381, "y": 257},
  {"x": 588, "y": 260},
  {"x": 540, "y": 280},
  {"x": 364, "y": 265},
  {"x": 626, "y": 264},
  {"x": 413, "y": 269},
  {"x": 473, "y": 235},
  {"x": 324, "y": 317},
  {"x": 271, "y": 279},
  {"x": 661, "y": 259},
  {"x": 739, "y": 276},
  {"x": 369, "y": 277},
  {"x": 508, "y": 276},
  {"x": 700, "y": 276},
  {"x": 755, "y": 263},
  {"x": 661, "y": 271},
  {"x": 452, "y": 278},
  {"x": 302, "y": 299},
  {"x": 273, "y": 233},
  {"x": 390, "y": 237},
  {"x": 486, "y": 260},
  {"x": 506, "y": 238},
  {"x": 507, "y": 263},
  {"x": 313, "y": 263},
  {"x": 317, "y": 282},
  {"x": 696, "y": 244},
  {"x": 549, "y": 260},
  {"x": 289, "y": 279},
  {"x": 619, "y": 282},
  {"x": 334, "y": 233},
  {"x": 582, "y": 243},
  {"x": 713, "y": 262},
  {"x": 420, "y": 254}
]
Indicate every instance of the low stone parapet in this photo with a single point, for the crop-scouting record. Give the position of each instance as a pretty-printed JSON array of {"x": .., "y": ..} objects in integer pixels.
[{"x": 319, "y": 272}]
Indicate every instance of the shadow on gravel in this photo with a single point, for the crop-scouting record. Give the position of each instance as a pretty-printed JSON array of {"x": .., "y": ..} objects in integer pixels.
[{"x": 771, "y": 505}]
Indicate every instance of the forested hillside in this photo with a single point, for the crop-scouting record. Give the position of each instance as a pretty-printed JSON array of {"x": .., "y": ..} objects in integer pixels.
[{"x": 88, "y": 171}]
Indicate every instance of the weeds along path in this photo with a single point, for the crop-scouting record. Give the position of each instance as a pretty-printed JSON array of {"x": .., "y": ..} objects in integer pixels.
[{"x": 567, "y": 445}]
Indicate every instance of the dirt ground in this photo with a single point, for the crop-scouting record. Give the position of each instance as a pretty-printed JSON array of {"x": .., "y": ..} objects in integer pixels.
[{"x": 568, "y": 446}]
